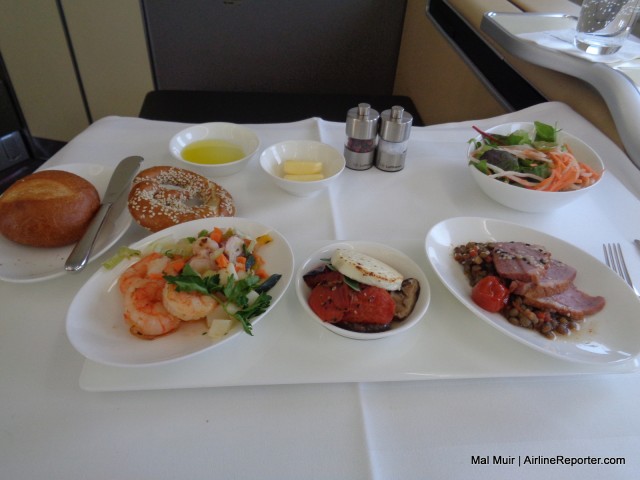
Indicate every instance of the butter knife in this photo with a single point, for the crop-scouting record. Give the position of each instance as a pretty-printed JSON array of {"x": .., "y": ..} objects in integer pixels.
[{"x": 120, "y": 180}]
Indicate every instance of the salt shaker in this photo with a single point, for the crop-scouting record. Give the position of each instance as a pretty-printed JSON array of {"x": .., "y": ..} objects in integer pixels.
[
  {"x": 395, "y": 128},
  {"x": 362, "y": 133}
]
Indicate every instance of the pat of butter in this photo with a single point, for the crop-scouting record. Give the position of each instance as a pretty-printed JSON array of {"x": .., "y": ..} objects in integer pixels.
[
  {"x": 305, "y": 178},
  {"x": 302, "y": 167}
]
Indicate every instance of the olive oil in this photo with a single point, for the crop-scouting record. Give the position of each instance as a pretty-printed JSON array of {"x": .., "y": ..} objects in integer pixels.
[{"x": 212, "y": 152}]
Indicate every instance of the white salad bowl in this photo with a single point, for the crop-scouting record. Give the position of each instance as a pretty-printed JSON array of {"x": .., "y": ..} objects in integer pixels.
[{"x": 526, "y": 200}]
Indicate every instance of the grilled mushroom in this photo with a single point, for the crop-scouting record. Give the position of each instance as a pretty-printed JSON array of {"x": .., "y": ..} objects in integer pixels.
[{"x": 405, "y": 298}]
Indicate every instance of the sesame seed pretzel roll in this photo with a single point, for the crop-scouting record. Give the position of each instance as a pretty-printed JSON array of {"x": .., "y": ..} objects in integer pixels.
[{"x": 162, "y": 197}]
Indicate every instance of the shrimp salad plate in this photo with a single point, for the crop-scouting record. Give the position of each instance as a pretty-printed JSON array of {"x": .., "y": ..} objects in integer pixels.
[
  {"x": 607, "y": 337},
  {"x": 24, "y": 264},
  {"x": 96, "y": 326}
]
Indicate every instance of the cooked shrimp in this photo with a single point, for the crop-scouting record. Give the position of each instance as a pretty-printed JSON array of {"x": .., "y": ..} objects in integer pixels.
[
  {"x": 203, "y": 246},
  {"x": 144, "y": 311},
  {"x": 204, "y": 250},
  {"x": 187, "y": 305},
  {"x": 234, "y": 248},
  {"x": 148, "y": 267},
  {"x": 200, "y": 264}
]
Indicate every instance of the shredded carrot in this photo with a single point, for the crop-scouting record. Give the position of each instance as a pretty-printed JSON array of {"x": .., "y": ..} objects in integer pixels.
[
  {"x": 566, "y": 173},
  {"x": 544, "y": 184},
  {"x": 590, "y": 173}
]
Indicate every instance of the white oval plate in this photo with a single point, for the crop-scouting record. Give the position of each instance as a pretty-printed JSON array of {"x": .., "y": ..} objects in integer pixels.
[
  {"x": 610, "y": 336},
  {"x": 398, "y": 260},
  {"x": 23, "y": 264},
  {"x": 95, "y": 323}
]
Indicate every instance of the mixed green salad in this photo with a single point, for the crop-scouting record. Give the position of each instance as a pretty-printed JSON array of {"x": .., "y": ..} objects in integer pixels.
[{"x": 534, "y": 160}]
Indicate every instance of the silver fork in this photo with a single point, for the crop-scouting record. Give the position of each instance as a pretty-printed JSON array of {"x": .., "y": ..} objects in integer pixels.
[{"x": 615, "y": 260}]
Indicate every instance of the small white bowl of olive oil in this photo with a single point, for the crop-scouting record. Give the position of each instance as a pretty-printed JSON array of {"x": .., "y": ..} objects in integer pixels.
[{"x": 215, "y": 149}]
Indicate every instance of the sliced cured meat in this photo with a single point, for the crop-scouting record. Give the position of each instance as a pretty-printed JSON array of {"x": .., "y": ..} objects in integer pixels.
[
  {"x": 520, "y": 261},
  {"x": 556, "y": 278},
  {"x": 542, "y": 295},
  {"x": 570, "y": 302}
]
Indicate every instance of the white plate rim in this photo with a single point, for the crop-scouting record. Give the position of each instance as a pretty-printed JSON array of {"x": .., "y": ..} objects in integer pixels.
[
  {"x": 12, "y": 254},
  {"x": 382, "y": 252},
  {"x": 103, "y": 283},
  {"x": 585, "y": 347}
]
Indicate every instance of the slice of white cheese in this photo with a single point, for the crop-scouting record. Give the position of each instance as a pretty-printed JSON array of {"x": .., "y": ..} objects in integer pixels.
[{"x": 366, "y": 269}]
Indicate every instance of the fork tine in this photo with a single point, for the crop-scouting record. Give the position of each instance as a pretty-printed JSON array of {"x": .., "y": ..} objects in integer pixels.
[
  {"x": 615, "y": 260},
  {"x": 605, "y": 249},
  {"x": 622, "y": 266}
]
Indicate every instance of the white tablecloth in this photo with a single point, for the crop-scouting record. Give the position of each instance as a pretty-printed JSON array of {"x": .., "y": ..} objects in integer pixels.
[{"x": 274, "y": 422}]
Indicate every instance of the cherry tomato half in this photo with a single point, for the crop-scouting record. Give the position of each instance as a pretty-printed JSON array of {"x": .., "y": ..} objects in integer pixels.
[{"x": 490, "y": 294}]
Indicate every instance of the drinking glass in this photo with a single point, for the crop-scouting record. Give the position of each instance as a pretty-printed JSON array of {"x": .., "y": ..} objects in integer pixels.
[{"x": 604, "y": 25}]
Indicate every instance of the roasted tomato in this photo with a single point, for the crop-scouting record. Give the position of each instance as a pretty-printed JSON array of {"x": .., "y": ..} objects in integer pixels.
[
  {"x": 335, "y": 303},
  {"x": 371, "y": 305},
  {"x": 490, "y": 294}
]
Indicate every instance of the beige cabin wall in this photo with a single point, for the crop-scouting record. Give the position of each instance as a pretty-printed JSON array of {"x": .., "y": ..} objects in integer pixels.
[
  {"x": 430, "y": 71},
  {"x": 40, "y": 67},
  {"x": 110, "y": 51}
]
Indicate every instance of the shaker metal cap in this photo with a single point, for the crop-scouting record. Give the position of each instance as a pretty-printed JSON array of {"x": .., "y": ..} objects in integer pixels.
[
  {"x": 396, "y": 124},
  {"x": 362, "y": 122}
]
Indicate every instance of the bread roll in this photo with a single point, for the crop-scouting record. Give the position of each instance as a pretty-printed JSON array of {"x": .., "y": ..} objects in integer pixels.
[{"x": 51, "y": 208}]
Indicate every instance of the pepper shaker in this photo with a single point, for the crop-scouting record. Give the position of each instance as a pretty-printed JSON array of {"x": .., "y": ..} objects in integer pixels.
[
  {"x": 395, "y": 128},
  {"x": 362, "y": 133}
]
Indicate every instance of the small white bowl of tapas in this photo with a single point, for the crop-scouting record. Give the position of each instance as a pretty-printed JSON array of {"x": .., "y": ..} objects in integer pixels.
[{"x": 363, "y": 290}]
